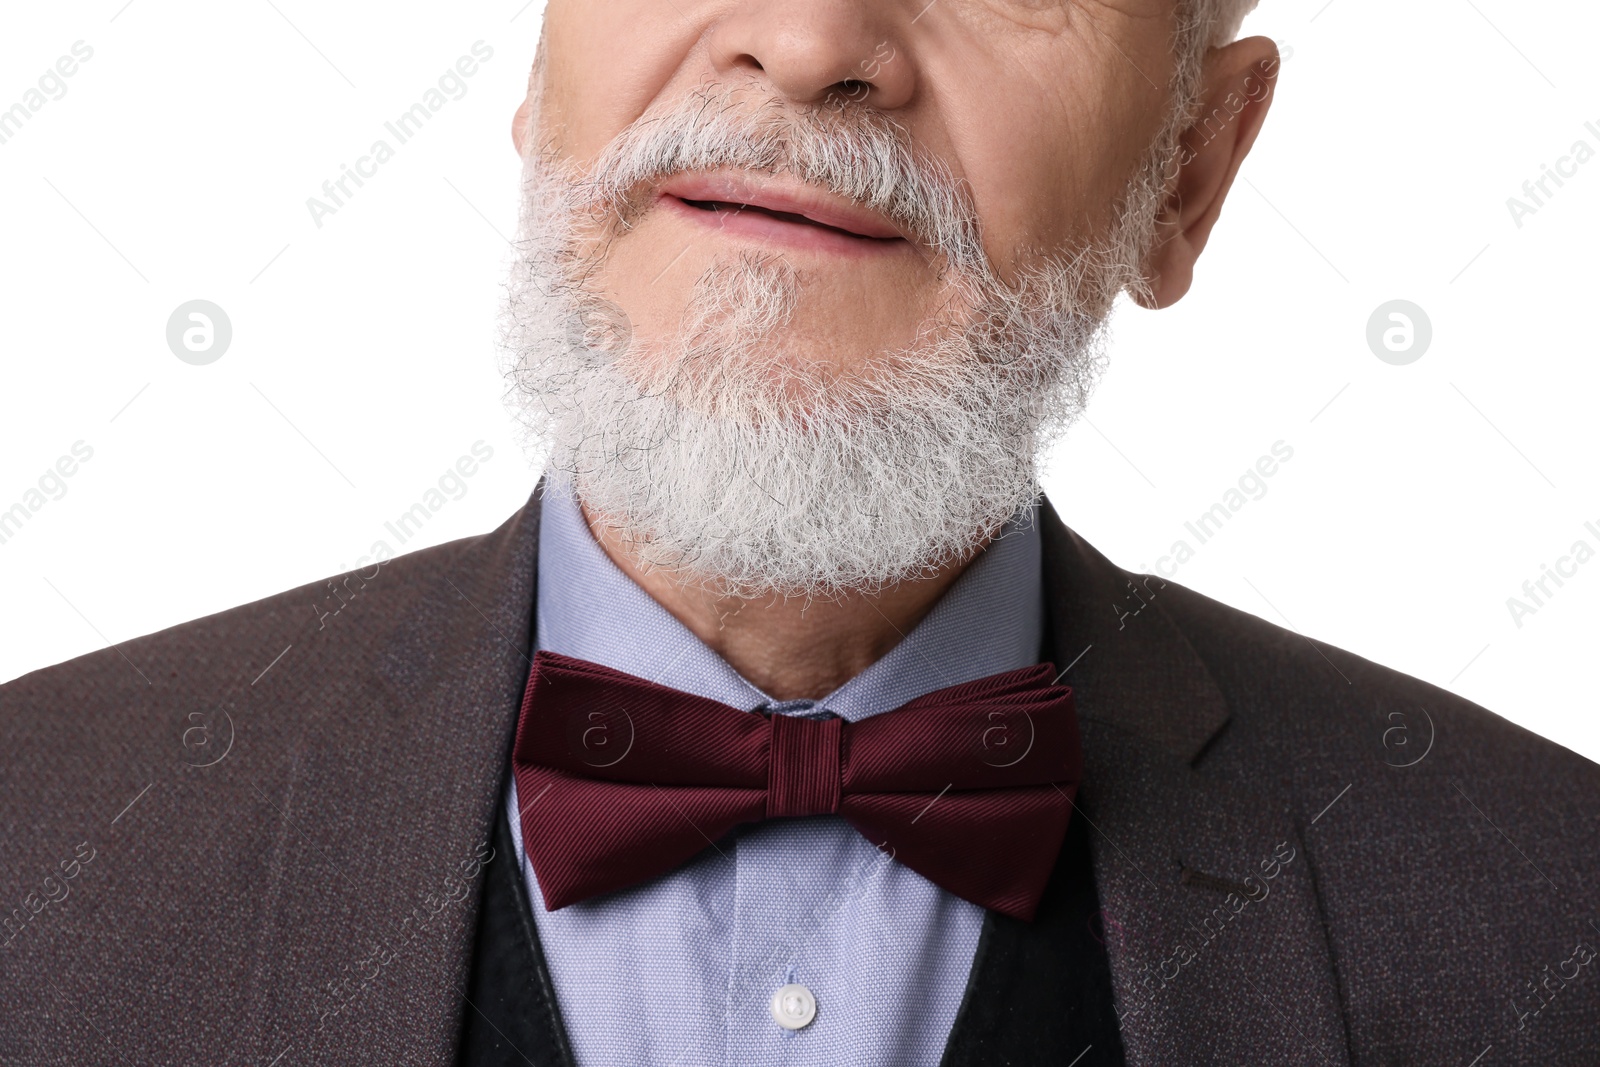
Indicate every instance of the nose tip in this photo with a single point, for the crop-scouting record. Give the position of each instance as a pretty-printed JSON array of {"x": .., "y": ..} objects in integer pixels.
[{"x": 816, "y": 53}]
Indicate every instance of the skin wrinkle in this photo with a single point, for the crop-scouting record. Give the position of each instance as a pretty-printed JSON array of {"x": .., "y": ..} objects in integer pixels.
[{"x": 832, "y": 440}]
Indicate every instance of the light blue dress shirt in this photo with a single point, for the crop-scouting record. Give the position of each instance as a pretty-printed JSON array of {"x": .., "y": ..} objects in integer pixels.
[{"x": 681, "y": 970}]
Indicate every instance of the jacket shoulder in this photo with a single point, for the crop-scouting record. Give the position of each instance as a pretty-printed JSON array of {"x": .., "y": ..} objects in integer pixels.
[
  {"x": 223, "y": 647},
  {"x": 1285, "y": 688}
]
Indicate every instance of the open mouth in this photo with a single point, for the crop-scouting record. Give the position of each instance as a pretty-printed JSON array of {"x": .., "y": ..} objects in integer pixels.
[
  {"x": 724, "y": 207},
  {"x": 776, "y": 210}
]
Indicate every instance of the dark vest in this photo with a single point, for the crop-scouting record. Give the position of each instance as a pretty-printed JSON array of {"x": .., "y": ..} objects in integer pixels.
[{"x": 1039, "y": 992}]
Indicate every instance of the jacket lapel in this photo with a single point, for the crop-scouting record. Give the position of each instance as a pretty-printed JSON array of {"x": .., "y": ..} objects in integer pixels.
[
  {"x": 368, "y": 903},
  {"x": 1212, "y": 923}
]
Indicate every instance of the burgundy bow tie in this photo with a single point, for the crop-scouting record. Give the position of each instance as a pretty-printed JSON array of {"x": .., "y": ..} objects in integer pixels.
[{"x": 620, "y": 780}]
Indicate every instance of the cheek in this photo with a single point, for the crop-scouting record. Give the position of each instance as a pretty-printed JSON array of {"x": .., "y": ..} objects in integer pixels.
[
  {"x": 589, "y": 96},
  {"x": 1050, "y": 187},
  {"x": 1049, "y": 166}
]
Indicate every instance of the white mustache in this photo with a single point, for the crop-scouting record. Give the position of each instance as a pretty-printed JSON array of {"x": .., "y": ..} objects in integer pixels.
[{"x": 858, "y": 154}]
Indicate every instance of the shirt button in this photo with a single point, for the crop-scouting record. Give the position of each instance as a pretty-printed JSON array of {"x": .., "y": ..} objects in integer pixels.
[{"x": 793, "y": 1007}]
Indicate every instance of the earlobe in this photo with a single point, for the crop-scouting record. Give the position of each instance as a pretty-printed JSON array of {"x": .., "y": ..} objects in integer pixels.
[
  {"x": 519, "y": 120},
  {"x": 1239, "y": 87},
  {"x": 519, "y": 126}
]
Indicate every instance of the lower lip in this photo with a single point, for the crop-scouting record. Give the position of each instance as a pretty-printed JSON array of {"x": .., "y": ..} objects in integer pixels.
[{"x": 767, "y": 230}]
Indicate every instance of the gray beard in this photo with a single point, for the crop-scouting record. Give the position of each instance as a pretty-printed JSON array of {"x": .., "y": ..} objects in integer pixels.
[{"x": 719, "y": 460}]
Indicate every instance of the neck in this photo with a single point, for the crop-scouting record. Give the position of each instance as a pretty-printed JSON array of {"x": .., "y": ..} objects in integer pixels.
[{"x": 788, "y": 647}]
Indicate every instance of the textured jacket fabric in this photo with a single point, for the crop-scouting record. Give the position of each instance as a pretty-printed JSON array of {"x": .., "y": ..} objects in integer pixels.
[{"x": 258, "y": 838}]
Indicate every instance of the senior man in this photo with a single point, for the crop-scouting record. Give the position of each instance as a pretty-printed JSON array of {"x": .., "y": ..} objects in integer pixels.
[{"x": 787, "y": 724}]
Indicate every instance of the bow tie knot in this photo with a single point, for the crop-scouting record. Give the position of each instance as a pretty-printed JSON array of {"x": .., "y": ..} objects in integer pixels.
[{"x": 803, "y": 769}]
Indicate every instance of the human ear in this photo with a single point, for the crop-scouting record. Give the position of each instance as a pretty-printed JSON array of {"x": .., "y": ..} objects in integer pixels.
[{"x": 1239, "y": 83}]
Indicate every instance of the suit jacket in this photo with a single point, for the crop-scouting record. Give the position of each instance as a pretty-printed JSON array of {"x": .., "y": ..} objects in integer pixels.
[{"x": 257, "y": 838}]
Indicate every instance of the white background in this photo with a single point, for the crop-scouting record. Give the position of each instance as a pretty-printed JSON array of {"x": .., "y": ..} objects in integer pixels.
[{"x": 178, "y": 163}]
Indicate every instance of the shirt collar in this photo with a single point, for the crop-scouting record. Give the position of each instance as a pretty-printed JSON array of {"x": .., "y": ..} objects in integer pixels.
[{"x": 990, "y": 620}]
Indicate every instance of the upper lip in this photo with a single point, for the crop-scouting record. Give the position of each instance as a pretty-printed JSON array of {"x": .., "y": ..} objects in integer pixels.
[{"x": 773, "y": 192}]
